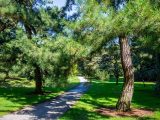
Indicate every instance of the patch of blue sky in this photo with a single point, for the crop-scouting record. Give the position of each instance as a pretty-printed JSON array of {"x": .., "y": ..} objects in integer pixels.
[
  {"x": 51, "y": 3},
  {"x": 59, "y": 3}
]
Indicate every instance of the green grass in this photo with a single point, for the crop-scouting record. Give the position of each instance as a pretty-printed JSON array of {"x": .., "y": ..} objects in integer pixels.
[
  {"x": 17, "y": 94},
  {"x": 105, "y": 94}
]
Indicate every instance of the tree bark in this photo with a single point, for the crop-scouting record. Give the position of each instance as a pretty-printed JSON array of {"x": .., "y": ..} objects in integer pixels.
[
  {"x": 124, "y": 101},
  {"x": 38, "y": 80}
]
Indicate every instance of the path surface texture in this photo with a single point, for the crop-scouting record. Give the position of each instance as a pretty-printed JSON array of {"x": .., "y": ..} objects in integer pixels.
[{"x": 53, "y": 109}]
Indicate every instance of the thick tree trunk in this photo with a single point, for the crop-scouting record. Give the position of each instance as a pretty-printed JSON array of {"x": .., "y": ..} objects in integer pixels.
[
  {"x": 38, "y": 80},
  {"x": 124, "y": 101}
]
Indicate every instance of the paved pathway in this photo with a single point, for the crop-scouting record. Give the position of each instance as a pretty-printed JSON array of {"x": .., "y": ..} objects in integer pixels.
[{"x": 50, "y": 110}]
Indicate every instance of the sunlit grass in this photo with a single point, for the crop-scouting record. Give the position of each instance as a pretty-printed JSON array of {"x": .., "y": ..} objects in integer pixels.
[
  {"x": 106, "y": 93},
  {"x": 15, "y": 97}
]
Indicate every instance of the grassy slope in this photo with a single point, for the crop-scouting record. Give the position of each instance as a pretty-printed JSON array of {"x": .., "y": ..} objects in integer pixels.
[
  {"x": 13, "y": 98},
  {"x": 103, "y": 94}
]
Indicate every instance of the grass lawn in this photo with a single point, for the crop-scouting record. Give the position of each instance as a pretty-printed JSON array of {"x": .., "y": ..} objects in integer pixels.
[
  {"x": 17, "y": 95},
  {"x": 105, "y": 94}
]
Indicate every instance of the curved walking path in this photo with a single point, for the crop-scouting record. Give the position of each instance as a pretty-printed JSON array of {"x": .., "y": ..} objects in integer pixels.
[{"x": 53, "y": 109}]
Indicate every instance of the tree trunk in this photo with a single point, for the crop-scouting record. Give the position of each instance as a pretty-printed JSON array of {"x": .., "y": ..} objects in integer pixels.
[
  {"x": 116, "y": 72},
  {"x": 117, "y": 80},
  {"x": 38, "y": 80},
  {"x": 157, "y": 88},
  {"x": 124, "y": 101}
]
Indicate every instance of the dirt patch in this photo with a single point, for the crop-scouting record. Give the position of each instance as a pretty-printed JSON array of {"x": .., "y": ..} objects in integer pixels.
[{"x": 133, "y": 113}]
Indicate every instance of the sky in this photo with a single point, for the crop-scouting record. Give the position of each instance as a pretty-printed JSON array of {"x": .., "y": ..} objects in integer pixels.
[{"x": 59, "y": 3}]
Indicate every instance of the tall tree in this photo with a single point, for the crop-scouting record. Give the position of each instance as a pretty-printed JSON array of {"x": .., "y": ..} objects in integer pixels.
[
  {"x": 25, "y": 15},
  {"x": 129, "y": 19},
  {"x": 124, "y": 101}
]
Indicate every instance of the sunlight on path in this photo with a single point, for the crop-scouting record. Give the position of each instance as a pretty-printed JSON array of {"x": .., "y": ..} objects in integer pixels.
[{"x": 53, "y": 109}]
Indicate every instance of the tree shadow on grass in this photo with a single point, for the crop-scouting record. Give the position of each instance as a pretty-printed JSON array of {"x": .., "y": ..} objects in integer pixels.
[
  {"x": 82, "y": 114},
  {"x": 17, "y": 97},
  {"x": 24, "y": 95},
  {"x": 143, "y": 96},
  {"x": 147, "y": 118},
  {"x": 54, "y": 108},
  {"x": 105, "y": 94}
]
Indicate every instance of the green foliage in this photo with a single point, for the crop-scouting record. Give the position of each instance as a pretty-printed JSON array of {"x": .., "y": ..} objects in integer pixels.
[
  {"x": 37, "y": 36},
  {"x": 54, "y": 57},
  {"x": 137, "y": 19},
  {"x": 74, "y": 70},
  {"x": 102, "y": 74},
  {"x": 101, "y": 25}
]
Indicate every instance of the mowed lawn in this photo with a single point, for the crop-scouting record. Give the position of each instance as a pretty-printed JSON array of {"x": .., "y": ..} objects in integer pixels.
[
  {"x": 105, "y": 94},
  {"x": 18, "y": 94}
]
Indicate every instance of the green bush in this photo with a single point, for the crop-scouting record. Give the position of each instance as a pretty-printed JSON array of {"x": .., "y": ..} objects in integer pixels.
[{"x": 101, "y": 74}]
